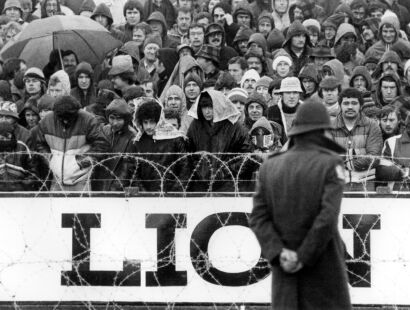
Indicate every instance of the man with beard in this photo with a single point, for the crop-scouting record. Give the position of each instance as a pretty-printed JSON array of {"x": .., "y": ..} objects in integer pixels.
[
  {"x": 221, "y": 14},
  {"x": 359, "y": 135},
  {"x": 389, "y": 118},
  {"x": 297, "y": 45},
  {"x": 248, "y": 82},
  {"x": 70, "y": 59},
  {"x": 240, "y": 43},
  {"x": 389, "y": 63},
  {"x": 196, "y": 36},
  {"x": 215, "y": 36}
]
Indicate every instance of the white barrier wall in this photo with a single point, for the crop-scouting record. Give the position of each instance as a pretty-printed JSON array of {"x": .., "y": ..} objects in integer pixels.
[{"x": 173, "y": 250}]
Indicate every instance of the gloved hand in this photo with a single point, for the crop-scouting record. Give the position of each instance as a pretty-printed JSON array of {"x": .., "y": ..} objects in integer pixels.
[{"x": 84, "y": 161}]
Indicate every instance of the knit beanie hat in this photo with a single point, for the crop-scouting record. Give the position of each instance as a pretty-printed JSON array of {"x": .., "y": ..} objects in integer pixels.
[
  {"x": 34, "y": 72},
  {"x": 193, "y": 77},
  {"x": 225, "y": 80},
  {"x": 312, "y": 23},
  {"x": 133, "y": 92},
  {"x": 105, "y": 84},
  {"x": 256, "y": 98},
  {"x": 87, "y": 5},
  {"x": 84, "y": 67},
  {"x": 238, "y": 94},
  {"x": 153, "y": 39},
  {"x": 64, "y": 79},
  {"x": 66, "y": 105},
  {"x": 119, "y": 107},
  {"x": 275, "y": 39},
  {"x": 278, "y": 59},
  {"x": 46, "y": 102},
  {"x": 263, "y": 81}
]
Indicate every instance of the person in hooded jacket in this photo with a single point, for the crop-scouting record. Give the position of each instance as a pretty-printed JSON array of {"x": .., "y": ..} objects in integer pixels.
[
  {"x": 297, "y": 45},
  {"x": 335, "y": 68},
  {"x": 215, "y": 35},
  {"x": 241, "y": 40},
  {"x": 29, "y": 116},
  {"x": 215, "y": 129},
  {"x": 185, "y": 66},
  {"x": 390, "y": 62},
  {"x": 165, "y": 8},
  {"x": 242, "y": 16},
  {"x": 19, "y": 171},
  {"x": 261, "y": 7},
  {"x": 362, "y": 80},
  {"x": 256, "y": 108},
  {"x": 84, "y": 92},
  {"x": 280, "y": 14},
  {"x": 158, "y": 24},
  {"x": 388, "y": 87},
  {"x": 74, "y": 138},
  {"x": 111, "y": 173},
  {"x": 227, "y": 24},
  {"x": 389, "y": 38},
  {"x": 309, "y": 80},
  {"x": 175, "y": 100},
  {"x": 158, "y": 164},
  {"x": 102, "y": 15},
  {"x": 265, "y": 23}
]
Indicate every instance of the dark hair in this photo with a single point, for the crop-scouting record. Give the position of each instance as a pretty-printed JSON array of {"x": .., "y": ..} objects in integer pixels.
[
  {"x": 144, "y": 27},
  {"x": 292, "y": 9},
  {"x": 320, "y": 90},
  {"x": 69, "y": 52},
  {"x": 154, "y": 86},
  {"x": 224, "y": 6},
  {"x": 387, "y": 78},
  {"x": 11, "y": 67},
  {"x": 205, "y": 100},
  {"x": 202, "y": 15},
  {"x": 386, "y": 110},
  {"x": 171, "y": 113},
  {"x": 351, "y": 92},
  {"x": 240, "y": 61},
  {"x": 195, "y": 25},
  {"x": 150, "y": 109}
]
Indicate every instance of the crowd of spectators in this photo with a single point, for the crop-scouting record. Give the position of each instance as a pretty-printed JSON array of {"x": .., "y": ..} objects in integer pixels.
[{"x": 201, "y": 92}]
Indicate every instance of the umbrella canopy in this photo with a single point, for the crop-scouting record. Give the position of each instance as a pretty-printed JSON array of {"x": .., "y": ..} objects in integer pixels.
[{"x": 87, "y": 38}]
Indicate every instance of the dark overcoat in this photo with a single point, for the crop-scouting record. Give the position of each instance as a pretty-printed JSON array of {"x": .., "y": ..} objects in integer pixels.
[{"x": 296, "y": 206}]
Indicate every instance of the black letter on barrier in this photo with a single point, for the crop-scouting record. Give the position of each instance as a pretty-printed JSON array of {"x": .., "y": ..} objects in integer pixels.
[
  {"x": 199, "y": 252},
  {"x": 166, "y": 275},
  {"x": 359, "y": 265},
  {"x": 80, "y": 275}
]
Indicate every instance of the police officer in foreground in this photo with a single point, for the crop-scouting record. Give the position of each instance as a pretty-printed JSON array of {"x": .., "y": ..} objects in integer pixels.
[{"x": 295, "y": 217}]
